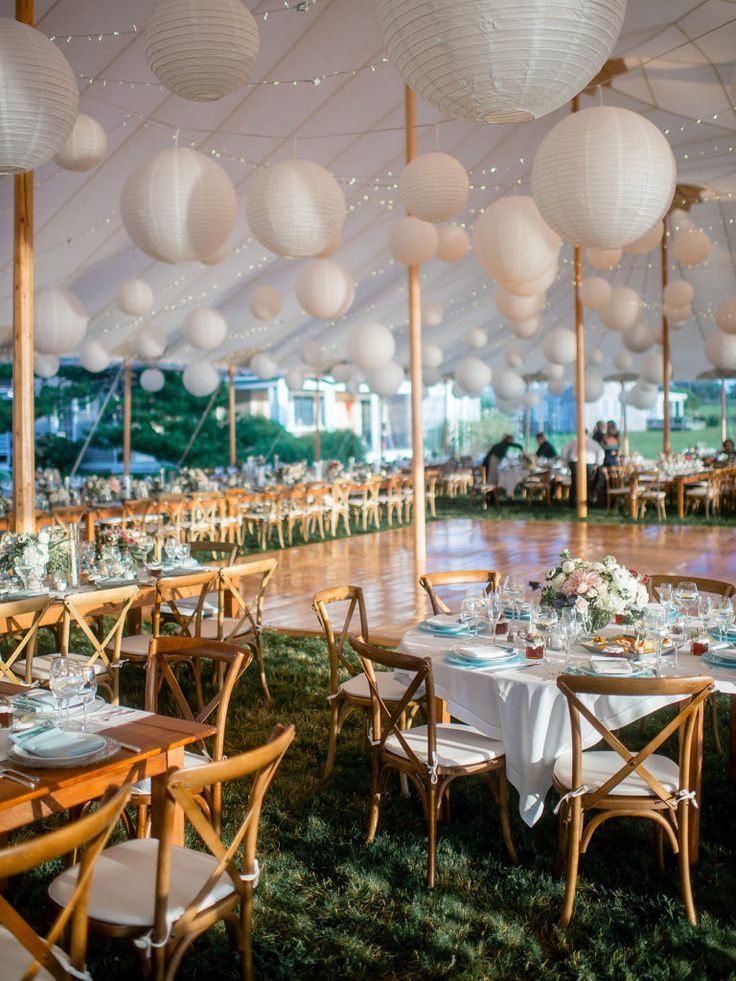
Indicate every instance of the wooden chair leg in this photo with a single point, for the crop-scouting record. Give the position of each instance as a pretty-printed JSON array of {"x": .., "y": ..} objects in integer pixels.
[
  {"x": 659, "y": 848},
  {"x": 332, "y": 740},
  {"x": 431, "y": 834},
  {"x": 375, "y": 801},
  {"x": 683, "y": 824},
  {"x": 713, "y": 702},
  {"x": 573, "y": 859},
  {"x": 503, "y": 807}
]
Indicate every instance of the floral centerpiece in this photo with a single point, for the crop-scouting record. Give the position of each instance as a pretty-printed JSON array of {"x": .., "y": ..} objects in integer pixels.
[
  {"x": 34, "y": 554},
  {"x": 601, "y": 589},
  {"x": 139, "y": 490},
  {"x": 334, "y": 469},
  {"x": 102, "y": 490},
  {"x": 194, "y": 479}
]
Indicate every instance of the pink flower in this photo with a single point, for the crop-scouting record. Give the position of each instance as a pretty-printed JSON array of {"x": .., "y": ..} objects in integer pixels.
[{"x": 583, "y": 583}]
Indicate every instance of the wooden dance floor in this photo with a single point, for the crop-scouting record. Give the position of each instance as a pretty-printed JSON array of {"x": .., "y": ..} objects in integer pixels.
[{"x": 382, "y": 563}]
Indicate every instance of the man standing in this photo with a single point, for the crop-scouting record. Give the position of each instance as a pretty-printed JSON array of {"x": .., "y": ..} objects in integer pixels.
[
  {"x": 545, "y": 450},
  {"x": 593, "y": 459},
  {"x": 497, "y": 453}
]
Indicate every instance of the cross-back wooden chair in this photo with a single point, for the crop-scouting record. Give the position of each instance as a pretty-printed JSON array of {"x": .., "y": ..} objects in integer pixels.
[
  {"x": 171, "y": 508},
  {"x": 242, "y": 594},
  {"x": 338, "y": 506},
  {"x": 201, "y": 516},
  {"x": 430, "y": 479},
  {"x": 23, "y": 952},
  {"x": 432, "y": 756},
  {"x": 390, "y": 500},
  {"x": 220, "y": 553},
  {"x": 618, "y": 782},
  {"x": 617, "y": 486},
  {"x": 20, "y": 621},
  {"x": 67, "y": 517},
  {"x": 140, "y": 516},
  {"x": 430, "y": 581},
  {"x": 364, "y": 503},
  {"x": 163, "y": 897},
  {"x": 719, "y": 587},
  {"x": 166, "y": 655},
  {"x": 81, "y": 610}
]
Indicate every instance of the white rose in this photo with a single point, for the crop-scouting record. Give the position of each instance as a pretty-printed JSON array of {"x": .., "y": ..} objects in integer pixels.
[{"x": 568, "y": 567}]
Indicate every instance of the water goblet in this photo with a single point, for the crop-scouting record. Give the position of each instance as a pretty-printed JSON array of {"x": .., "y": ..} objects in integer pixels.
[
  {"x": 514, "y": 589},
  {"x": 685, "y": 594},
  {"x": 471, "y": 611},
  {"x": 723, "y": 615},
  {"x": 494, "y": 609},
  {"x": 24, "y": 571},
  {"x": 569, "y": 628},
  {"x": 171, "y": 549},
  {"x": 88, "y": 692},
  {"x": 66, "y": 679}
]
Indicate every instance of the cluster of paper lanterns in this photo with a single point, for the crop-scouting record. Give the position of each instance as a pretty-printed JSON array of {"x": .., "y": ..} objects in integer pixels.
[
  {"x": 473, "y": 375},
  {"x": 85, "y": 146},
  {"x": 152, "y": 380},
  {"x": 265, "y": 302},
  {"x": 205, "y": 328},
  {"x": 200, "y": 378},
  {"x": 413, "y": 241},
  {"x": 434, "y": 187},
  {"x": 135, "y": 297},
  {"x": 324, "y": 289},
  {"x": 60, "y": 321},
  {"x": 370, "y": 346}
]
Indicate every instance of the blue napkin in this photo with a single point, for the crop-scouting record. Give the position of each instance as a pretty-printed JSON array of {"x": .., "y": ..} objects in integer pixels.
[
  {"x": 37, "y": 700},
  {"x": 50, "y": 741}
]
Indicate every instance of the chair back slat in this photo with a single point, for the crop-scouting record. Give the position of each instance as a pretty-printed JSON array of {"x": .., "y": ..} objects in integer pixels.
[
  {"x": 246, "y": 610},
  {"x": 353, "y": 597},
  {"x": 460, "y": 577},
  {"x": 718, "y": 587},
  {"x": 21, "y": 617}
]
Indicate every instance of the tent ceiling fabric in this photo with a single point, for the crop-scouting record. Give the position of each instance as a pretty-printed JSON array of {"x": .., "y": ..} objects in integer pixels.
[{"x": 673, "y": 63}]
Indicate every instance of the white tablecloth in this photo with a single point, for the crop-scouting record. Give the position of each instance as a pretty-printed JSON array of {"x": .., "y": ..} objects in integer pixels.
[
  {"x": 529, "y": 713},
  {"x": 509, "y": 478}
]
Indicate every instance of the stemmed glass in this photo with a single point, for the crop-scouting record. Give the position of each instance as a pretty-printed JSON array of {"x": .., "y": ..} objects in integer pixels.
[
  {"x": 24, "y": 571},
  {"x": 494, "y": 609},
  {"x": 656, "y": 626},
  {"x": 171, "y": 548},
  {"x": 665, "y": 596},
  {"x": 723, "y": 614},
  {"x": 685, "y": 594},
  {"x": 678, "y": 633},
  {"x": 514, "y": 590},
  {"x": 88, "y": 692},
  {"x": 471, "y": 611},
  {"x": 66, "y": 679},
  {"x": 569, "y": 628}
]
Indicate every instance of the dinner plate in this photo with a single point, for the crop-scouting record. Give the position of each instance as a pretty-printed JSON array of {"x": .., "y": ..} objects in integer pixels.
[
  {"x": 23, "y": 758},
  {"x": 718, "y": 661},
  {"x": 483, "y": 652},
  {"x": 450, "y": 629},
  {"x": 47, "y": 711},
  {"x": 513, "y": 659},
  {"x": 637, "y": 671}
]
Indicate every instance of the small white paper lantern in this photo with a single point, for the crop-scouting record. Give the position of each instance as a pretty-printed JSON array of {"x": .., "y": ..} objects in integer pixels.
[
  {"x": 476, "y": 338},
  {"x": 514, "y": 356},
  {"x": 342, "y": 371},
  {"x": 150, "y": 342},
  {"x": 651, "y": 368},
  {"x": 265, "y": 302},
  {"x": 313, "y": 354},
  {"x": 642, "y": 396},
  {"x": 370, "y": 345},
  {"x": 203, "y": 50},
  {"x": 603, "y": 258},
  {"x": 678, "y": 293},
  {"x": 431, "y": 376},
  {"x": 432, "y": 356},
  {"x": 135, "y": 297},
  {"x": 554, "y": 372},
  {"x": 557, "y": 386},
  {"x": 295, "y": 379},
  {"x": 512, "y": 242},
  {"x": 295, "y": 208},
  {"x": 594, "y": 386},
  {"x": 200, "y": 378},
  {"x": 323, "y": 289},
  {"x": 691, "y": 246},
  {"x": 84, "y": 147},
  {"x": 648, "y": 241},
  {"x": 595, "y": 292},
  {"x": 622, "y": 310},
  {"x": 412, "y": 241},
  {"x": 453, "y": 243},
  {"x": 92, "y": 356},
  {"x": 509, "y": 408},
  {"x": 152, "y": 380},
  {"x": 178, "y": 205},
  {"x": 505, "y": 62},
  {"x": 603, "y": 176},
  {"x": 726, "y": 315},
  {"x": 386, "y": 380},
  {"x": 473, "y": 375},
  {"x": 526, "y": 329},
  {"x": 39, "y": 99},
  {"x": 640, "y": 338},
  {"x": 508, "y": 385},
  {"x": 205, "y": 328},
  {"x": 530, "y": 286},
  {"x": 263, "y": 366},
  {"x": 432, "y": 314},
  {"x": 45, "y": 365},
  {"x": 518, "y": 307},
  {"x": 622, "y": 359},
  {"x": 559, "y": 346},
  {"x": 720, "y": 350},
  {"x": 434, "y": 187},
  {"x": 595, "y": 356},
  {"x": 677, "y": 316},
  {"x": 60, "y": 321}
]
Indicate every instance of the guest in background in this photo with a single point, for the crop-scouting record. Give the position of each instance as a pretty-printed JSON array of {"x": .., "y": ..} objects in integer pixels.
[
  {"x": 599, "y": 432},
  {"x": 497, "y": 453},
  {"x": 593, "y": 460},
  {"x": 545, "y": 450},
  {"x": 728, "y": 447},
  {"x": 611, "y": 449}
]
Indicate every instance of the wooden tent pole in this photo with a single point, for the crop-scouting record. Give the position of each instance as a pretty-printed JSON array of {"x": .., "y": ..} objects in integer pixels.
[
  {"x": 24, "y": 466},
  {"x": 724, "y": 415},
  {"x": 415, "y": 369},
  {"x": 317, "y": 417},
  {"x": 231, "y": 414},
  {"x": 666, "y": 441},
  {"x": 624, "y": 420},
  {"x": 582, "y": 472},
  {"x": 127, "y": 412}
]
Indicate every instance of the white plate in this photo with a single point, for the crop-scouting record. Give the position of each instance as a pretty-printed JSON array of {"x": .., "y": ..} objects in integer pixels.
[
  {"x": 20, "y": 756},
  {"x": 483, "y": 652}
]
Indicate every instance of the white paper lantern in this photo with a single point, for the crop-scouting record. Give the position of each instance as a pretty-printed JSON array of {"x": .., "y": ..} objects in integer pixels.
[
  {"x": 313, "y": 354},
  {"x": 92, "y": 356},
  {"x": 518, "y": 307},
  {"x": 263, "y": 366},
  {"x": 530, "y": 286},
  {"x": 531, "y": 400},
  {"x": 178, "y": 205},
  {"x": 385, "y": 380},
  {"x": 84, "y": 147},
  {"x": 622, "y": 359},
  {"x": 594, "y": 386},
  {"x": 432, "y": 356},
  {"x": 640, "y": 338},
  {"x": 602, "y": 177},
  {"x": 265, "y": 302},
  {"x": 135, "y": 297},
  {"x": 678, "y": 293},
  {"x": 453, "y": 243},
  {"x": 595, "y": 292},
  {"x": 332, "y": 248},
  {"x": 432, "y": 314},
  {"x": 526, "y": 329},
  {"x": 603, "y": 258},
  {"x": 726, "y": 315},
  {"x": 509, "y": 408},
  {"x": 690, "y": 246},
  {"x": 295, "y": 208},
  {"x": 559, "y": 346},
  {"x": 677, "y": 316},
  {"x": 349, "y": 294},
  {"x": 595, "y": 356},
  {"x": 217, "y": 256},
  {"x": 205, "y": 328},
  {"x": 458, "y": 392},
  {"x": 150, "y": 342},
  {"x": 553, "y": 371},
  {"x": 39, "y": 99},
  {"x": 642, "y": 396},
  {"x": 412, "y": 241},
  {"x": 323, "y": 289},
  {"x": 473, "y": 375},
  {"x": 508, "y": 385},
  {"x": 45, "y": 365},
  {"x": 476, "y": 338},
  {"x": 342, "y": 371},
  {"x": 514, "y": 356},
  {"x": 512, "y": 242},
  {"x": 720, "y": 350},
  {"x": 434, "y": 187},
  {"x": 500, "y": 62},
  {"x": 623, "y": 309},
  {"x": 200, "y": 378},
  {"x": 295, "y": 379},
  {"x": 648, "y": 241},
  {"x": 370, "y": 345},
  {"x": 203, "y": 50},
  {"x": 152, "y": 380},
  {"x": 651, "y": 368},
  {"x": 60, "y": 321},
  {"x": 557, "y": 386},
  {"x": 431, "y": 376}
]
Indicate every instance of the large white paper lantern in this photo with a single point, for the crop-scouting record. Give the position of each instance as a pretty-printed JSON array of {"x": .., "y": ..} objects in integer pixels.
[
  {"x": 623, "y": 309},
  {"x": 642, "y": 396},
  {"x": 178, "y": 205},
  {"x": 313, "y": 354},
  {"x": 432, "y": 355},
  {"x": 648, "y": 241},
  {"x": 295, "y": 208},
  {"x": 92, "y": 356},
  {"x": 265, "y": 302},
  {"x": 205, "y": 328},
  {"x": 508, "y": 385},
  {"x": 514, "y": 356},
  {"x": 135, "y": 297},
  {"x": 557, "y": 386},
  {"x": 39, "y": 99},
  {"x": 323, "y": 289},
  {"x": 295, "y": 379},
  {"x": 150, "y": 342},
  {"x": 594, "y": 386},
  {"x": 559, "y": 346},
  {"x": 476, "y": 338},
  {"x": 432, "y": 314},
  {"x": 726, "y": 315},
  {"x": 678, "y": 293},
  {"x": 200, "y": 378},
  {"x": 201, "y": 50},
  {"x": 595, "y": 292},
  {"x": 691, "y": 246},
  {"x": 84, "y": 147},
  {"x": 431, "y": 376},
  {"x": 526, "y": 329},
  {"x": 720, "y": 350},
  {"x": 622, "y": 359},
  {"x": 342, "y": 371},
  {"x": 602, "y": 177},
  {"x": 651, "y": 368},
  {"x": 603, "y": 258},
  {"x": 412, "y": 241},
  {"x": 386, "y": 380},
  {"x": 640, "y": 338},
  {"x": 499, "y": 61},
  {"x": 217, "y": 256},
  {"x": 453, "y": 243},
  {"x": 553, "y": 371},
  {"x": 45, "y": 365},
  {"x": 332, "y": 248},
  {"x": 370, "y": 345},
  {"x": 512, "y": 242},
  {"x": 152, "y": 380},
  {"x": 60, "y": 321},
  {"x": 434, "y": 187},
  {"x": 530, "y": 286},
  {"x": 473, "y": 375},
  {"x": 518, "y": 307},
  {"x": 263, "y": 366}
]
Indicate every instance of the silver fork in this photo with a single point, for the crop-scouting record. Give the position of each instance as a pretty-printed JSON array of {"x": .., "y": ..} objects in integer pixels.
[{"x": 25, "y": 779}]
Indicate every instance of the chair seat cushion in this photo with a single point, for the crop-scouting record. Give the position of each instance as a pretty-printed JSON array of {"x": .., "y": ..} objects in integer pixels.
[
  {"x": 208, "y": 628},
  {"x": 188, "y": 604},
  {"x": 389, "y": 689},
  {"x": 191, "y": 761},
  {"x": 457, "y": 745},
  {"x": 124, "y": 883},
  {"x": 16, "y": 960},
  {"x": 599, "y": 765},
  {"x": 618, "y": 490},
  {"x": 135, "y": 645},
  {"x": 41, "y": 665}
]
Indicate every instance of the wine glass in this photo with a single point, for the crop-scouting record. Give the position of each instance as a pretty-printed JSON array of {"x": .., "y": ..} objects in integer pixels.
[
  {"x": 665, "y": 595},
  {"x": 66, "y": 679},
  {"x": 171, "y": 549},
  {"x": 185, "y": 553},
  {"x": 471, "y": 610},
  {"x": 685, "y": 594},
  {"x": 678, "y": 633},
  {"x": 569, "y": 628},
  {"x": 514, "y": 589},
  {"x": 494, "y": 609},
  {"x": 24, "y": 571},
  {"x": 656, "y": 626},
  {"x": 723, "y": 615},
  {"x": 88, "y": 692}
]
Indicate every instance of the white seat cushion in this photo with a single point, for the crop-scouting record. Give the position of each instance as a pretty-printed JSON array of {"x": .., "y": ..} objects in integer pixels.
[
  {"x": 16, "y": 960},
  {"x": 191, "y": 760},
  {"x": 135, "y": 645},
  {"x": 188, "y": 604},
  {"x": 599, "y": 765},
  {"x": 124, "y": 883},
  {"x": 41, "y": 665},
  {"x": 457, "y": 745},
  {"x": 389, "y": 689},
  {"x": 208, "y": 628}
]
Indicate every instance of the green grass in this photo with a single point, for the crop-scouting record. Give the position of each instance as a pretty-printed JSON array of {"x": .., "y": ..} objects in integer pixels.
[{"x": 328, "y": 906}]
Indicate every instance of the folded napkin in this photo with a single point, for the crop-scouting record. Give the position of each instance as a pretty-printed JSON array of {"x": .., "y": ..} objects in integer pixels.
[
  {"x": 611, "y": 665},
  {"x": 47, "y": 742},
  {"x": 37, "y": 700},
  {"x": 482, "y": 652}
]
